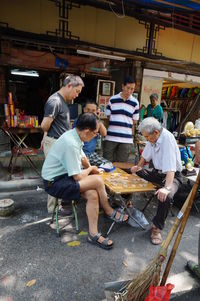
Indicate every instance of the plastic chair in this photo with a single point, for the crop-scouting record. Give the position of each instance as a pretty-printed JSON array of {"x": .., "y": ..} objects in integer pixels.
[{"x": 55, "y": 216}]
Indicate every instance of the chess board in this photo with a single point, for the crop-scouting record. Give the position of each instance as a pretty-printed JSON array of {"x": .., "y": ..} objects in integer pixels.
[{"x": 121, "y": 182}]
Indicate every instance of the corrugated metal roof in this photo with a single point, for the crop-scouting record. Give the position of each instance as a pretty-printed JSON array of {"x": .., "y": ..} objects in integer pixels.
[{"x": 173, "y": 5}]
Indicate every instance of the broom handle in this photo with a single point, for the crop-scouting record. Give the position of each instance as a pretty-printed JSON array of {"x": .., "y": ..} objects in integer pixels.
[
  {"x": 178, "y": 238},
  {"x": 188, "y": 202}
]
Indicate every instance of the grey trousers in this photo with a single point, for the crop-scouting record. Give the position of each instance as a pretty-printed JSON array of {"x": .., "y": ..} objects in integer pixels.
[
  {"x": 116, "y": 151},
  {"x": 48, "y": 142}
]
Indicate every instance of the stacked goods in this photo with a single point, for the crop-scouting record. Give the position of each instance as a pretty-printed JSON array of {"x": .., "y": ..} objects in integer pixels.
[
  {"x": 15, "y": 119},
  {"x": 190, "y": 130}
]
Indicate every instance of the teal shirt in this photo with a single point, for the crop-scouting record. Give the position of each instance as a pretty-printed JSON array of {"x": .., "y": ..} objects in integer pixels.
[
  {"x": 156, "y": 112},
  {"x": 64, "y": 157}
]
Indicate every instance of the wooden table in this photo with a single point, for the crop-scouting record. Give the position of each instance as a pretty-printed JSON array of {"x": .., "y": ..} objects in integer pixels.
[
  {"x": 126, "y": 166},
  {"x": 18, "y": 135},
  {"x": 121, "y": 183}
]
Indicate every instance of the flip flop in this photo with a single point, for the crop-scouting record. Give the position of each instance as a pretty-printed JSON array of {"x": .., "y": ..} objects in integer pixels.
[{"x": 104, "y": 244}]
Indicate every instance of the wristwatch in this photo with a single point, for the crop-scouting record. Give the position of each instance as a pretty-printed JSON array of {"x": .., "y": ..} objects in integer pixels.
[{"x": 168, "y": 188}]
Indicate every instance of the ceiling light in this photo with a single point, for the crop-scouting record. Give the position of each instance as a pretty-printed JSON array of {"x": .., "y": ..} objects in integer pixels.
[
  {"x": 32, "y": 73},
  {"x": 103, "y": 55}
]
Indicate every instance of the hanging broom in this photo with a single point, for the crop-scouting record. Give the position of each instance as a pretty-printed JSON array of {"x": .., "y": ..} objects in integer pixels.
[{"x": 137, "y": 289}]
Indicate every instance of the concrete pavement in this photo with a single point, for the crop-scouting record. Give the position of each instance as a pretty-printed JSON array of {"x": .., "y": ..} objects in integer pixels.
[{"x": 30, "y": 250}]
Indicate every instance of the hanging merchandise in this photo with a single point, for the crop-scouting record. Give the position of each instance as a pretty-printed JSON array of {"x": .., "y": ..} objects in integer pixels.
[
  {"x": 169, "y": 92},
  {"x": 189, "y": 93}
]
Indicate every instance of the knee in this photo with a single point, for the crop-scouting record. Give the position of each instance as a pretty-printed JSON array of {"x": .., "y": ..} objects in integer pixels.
[
  {"x": 99, "y": 181},
  {"x": 92, "y": 196}
]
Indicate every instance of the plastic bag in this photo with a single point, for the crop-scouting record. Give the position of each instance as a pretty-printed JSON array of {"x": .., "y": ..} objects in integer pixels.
[
  {"x": 185, "y": 154},
  {"x": 160, "y": 293},
  {"x": 197, "y": 124},
  {"x": 197, "y": 153}
]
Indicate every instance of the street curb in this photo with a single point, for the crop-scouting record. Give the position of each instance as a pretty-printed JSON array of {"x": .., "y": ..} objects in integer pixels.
[{"x": 17, "y": 185}]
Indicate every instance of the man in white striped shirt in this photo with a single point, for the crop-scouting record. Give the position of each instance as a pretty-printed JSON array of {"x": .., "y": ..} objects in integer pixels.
[{"x": 123, "y": 114}]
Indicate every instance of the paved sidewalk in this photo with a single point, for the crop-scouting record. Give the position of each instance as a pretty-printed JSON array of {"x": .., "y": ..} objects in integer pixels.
[{"x": 30, "y": 249}]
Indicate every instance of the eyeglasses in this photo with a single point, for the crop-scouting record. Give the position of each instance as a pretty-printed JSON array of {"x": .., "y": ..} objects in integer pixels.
[{"x": 94, "y": 132}]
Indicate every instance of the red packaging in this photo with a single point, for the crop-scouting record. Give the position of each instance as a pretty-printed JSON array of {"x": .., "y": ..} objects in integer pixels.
[{"x": 160, "y": 293}]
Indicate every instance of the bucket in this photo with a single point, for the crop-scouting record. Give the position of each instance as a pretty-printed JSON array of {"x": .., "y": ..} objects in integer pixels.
[{"x": 6, "y": 207}]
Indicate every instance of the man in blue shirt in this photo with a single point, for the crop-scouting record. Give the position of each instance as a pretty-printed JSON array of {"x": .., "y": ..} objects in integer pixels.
[
  {"x": 89, "y": 147},
  {"x": 64, "y": 177}
]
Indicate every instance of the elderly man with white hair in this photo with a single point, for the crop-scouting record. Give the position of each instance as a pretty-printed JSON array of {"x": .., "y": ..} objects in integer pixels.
[{"x": 163, "y": 150}]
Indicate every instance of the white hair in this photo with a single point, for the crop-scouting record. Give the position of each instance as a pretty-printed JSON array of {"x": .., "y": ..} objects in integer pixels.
[{"x": 149, "y": 125}]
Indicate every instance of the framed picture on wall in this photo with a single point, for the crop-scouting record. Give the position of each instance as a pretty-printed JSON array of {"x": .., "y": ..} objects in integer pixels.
[{"x": 106, "y": 88}]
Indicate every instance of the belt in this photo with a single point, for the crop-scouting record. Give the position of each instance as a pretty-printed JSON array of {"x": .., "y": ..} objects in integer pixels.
[
  {"x": 49, "y": 183},
  {"x": 157, "y": 170},
  {"x": 177, "y": 173}
]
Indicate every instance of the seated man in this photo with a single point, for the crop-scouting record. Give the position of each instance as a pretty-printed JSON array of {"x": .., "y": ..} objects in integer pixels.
[
  {"x": 163, "y": 150},
  {"x": 64, "y": 178},
  {"x": 89, "y": 147}
]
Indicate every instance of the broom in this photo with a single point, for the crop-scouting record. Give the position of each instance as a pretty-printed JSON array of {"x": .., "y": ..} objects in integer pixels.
[
  {"x": 176, "y": 244},
  {"x": 137, "y": 289}
]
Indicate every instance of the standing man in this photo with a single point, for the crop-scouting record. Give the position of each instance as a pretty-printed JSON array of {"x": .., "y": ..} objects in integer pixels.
[
  {"x": 123, "y": 113},
  {"x": 163, "y": 150},
  {"x": 56, "y": 120}
]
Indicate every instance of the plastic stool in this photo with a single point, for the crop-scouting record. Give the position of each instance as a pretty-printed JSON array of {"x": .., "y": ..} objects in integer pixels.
[{"x": 55, "y": 215}]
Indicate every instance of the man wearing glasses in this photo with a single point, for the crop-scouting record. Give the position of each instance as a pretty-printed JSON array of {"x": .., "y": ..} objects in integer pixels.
[
  {"x": 56, "y": 121},
  {"x": 64, "y": 177}
]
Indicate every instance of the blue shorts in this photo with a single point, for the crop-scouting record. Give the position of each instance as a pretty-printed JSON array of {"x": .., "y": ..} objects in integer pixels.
[{"x": 63, "y": 187}]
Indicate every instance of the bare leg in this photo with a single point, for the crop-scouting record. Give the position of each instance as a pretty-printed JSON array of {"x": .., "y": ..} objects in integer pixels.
[
  {"x": 95, "y": 182},
  {"x": 92, "y": 210}
]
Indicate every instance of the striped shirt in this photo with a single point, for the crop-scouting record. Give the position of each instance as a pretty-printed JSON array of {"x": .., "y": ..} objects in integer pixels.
[{"x": 121, "y": 113}]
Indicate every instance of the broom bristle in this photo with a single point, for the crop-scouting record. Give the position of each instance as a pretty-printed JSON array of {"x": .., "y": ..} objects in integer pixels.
[{"x": 138, "y": 288}]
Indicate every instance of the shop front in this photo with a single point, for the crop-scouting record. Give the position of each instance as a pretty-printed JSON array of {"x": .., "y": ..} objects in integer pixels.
[{"x": 177, "y": 94}]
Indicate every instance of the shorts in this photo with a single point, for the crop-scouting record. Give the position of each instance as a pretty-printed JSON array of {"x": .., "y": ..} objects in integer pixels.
[{"x": 63, "y": 187}]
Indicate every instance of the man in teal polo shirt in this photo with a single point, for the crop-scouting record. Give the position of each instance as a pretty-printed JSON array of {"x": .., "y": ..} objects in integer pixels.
[{"x": 64, "y": 177}]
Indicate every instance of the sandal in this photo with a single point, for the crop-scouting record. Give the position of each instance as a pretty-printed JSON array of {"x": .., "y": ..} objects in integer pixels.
[
  {"x": 120, "y": 219},
  {"x": 104, "y": 244},
  {"x": 156, "y": 237}
]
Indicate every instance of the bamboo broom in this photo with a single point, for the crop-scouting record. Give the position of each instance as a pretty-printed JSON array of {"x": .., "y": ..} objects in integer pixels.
[
  {"x": 176, "y": 244},
  {"x": 137, "y": 289}
]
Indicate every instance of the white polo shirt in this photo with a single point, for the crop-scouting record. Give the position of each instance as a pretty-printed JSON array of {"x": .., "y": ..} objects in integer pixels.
[{"x": 164, "y": 153}]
